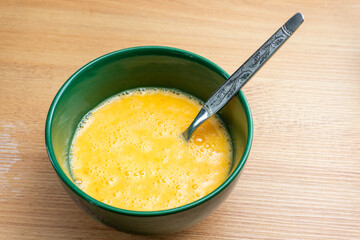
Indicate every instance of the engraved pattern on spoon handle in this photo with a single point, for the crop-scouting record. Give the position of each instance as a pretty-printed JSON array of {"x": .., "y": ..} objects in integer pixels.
[{"x": 241, "y": 76}]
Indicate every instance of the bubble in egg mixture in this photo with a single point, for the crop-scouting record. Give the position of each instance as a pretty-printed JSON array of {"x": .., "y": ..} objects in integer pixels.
[{"x": 128, "y": 152}]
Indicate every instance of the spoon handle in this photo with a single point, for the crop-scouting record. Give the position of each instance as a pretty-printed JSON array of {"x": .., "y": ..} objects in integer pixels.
[{"x": 241, "y": 76}]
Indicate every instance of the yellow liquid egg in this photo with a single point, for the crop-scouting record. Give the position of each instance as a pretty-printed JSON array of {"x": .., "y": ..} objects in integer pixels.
[{"x": 129, "y": 153}]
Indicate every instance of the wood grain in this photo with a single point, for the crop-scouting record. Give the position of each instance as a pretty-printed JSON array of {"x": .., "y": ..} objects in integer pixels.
[{"x": 302, "y": 179}]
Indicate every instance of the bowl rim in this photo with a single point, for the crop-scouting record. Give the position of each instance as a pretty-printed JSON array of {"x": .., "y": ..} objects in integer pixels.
[{"x": 137, "y": 51}]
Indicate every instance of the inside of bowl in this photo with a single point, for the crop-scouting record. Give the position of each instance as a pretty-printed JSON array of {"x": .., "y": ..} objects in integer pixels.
[{"x": 115, "y": 73}]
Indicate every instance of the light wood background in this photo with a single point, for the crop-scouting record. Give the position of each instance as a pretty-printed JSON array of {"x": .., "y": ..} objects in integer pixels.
[{"x": 302, "y": 179}]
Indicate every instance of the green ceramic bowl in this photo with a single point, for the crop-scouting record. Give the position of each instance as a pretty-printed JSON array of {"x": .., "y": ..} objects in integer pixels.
[{"x": 133, "y": 68}]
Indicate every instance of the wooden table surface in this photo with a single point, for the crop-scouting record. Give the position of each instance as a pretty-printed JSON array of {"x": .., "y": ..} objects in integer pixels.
[{"x": 302, "y": 179}]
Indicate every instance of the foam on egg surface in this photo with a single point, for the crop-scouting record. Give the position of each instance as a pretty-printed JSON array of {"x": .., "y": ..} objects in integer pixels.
[{"x": 128, "y": 152}]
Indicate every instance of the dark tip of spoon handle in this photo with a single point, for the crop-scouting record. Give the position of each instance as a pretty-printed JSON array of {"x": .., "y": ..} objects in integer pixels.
[{"x": 293, "y": 23}]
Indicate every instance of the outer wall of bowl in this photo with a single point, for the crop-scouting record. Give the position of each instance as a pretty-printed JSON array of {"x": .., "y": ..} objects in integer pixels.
[{"x": 161, "y": 222}]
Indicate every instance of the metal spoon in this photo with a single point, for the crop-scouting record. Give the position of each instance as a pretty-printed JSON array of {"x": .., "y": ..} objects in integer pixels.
[{"x": 241, "y": 76}]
